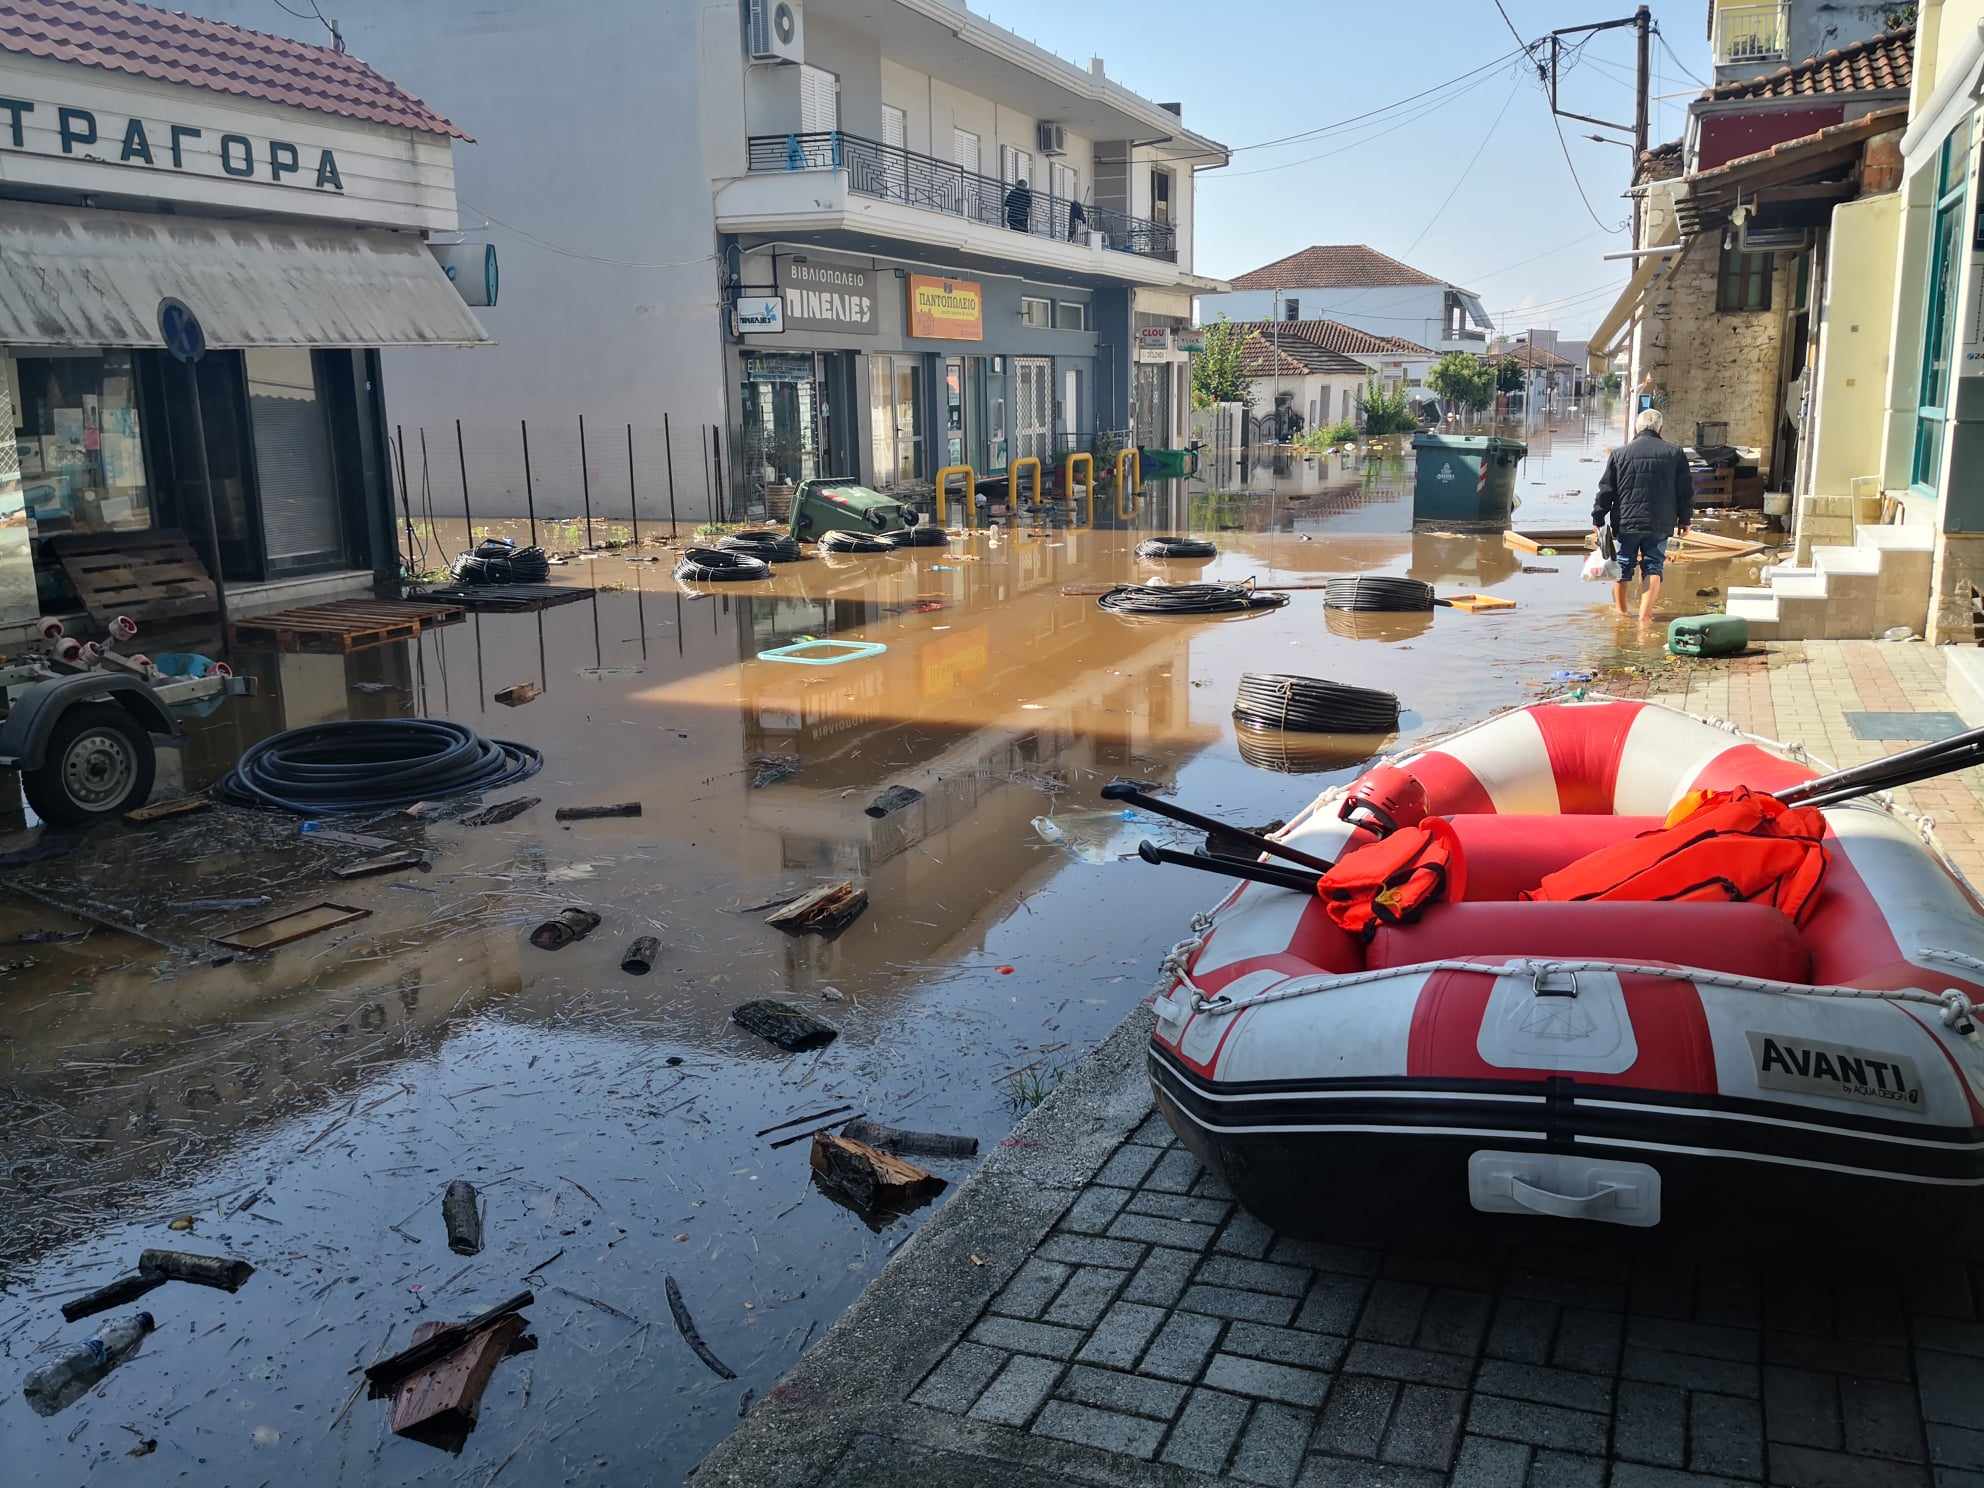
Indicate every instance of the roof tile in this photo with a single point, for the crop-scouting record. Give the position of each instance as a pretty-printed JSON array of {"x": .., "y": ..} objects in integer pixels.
[
  {"x": 171, "y": 47},
  {"x": 1334, "y": 266},
  {"x": 1264, "y": 354},
  {"x": 1880, "y": 64}
]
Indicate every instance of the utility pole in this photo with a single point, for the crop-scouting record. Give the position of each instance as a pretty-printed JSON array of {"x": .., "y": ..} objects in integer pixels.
[{"x": 1642, "y": 23}]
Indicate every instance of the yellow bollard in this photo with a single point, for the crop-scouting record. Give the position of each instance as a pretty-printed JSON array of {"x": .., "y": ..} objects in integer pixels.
[
  {"x": 1068, "y": 486},
  {"x": 1013, "y": 482},
  {"x": 1125, "y": 490},
  {"x": 970, "y": 494}
]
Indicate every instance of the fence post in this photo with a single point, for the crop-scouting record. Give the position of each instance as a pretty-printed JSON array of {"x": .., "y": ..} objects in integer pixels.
[
  {"x": 668, "y": 446},
  {"x": 530, "y": 496},
  {"x": 709, "y": 491},
  {"x": 585, "y": 478},
  {"x": 716, "y": 462},
  {"x": 406, "y": 496},
  {"x": 633, "y": 496},
  {"x": 461, "y": 457}
]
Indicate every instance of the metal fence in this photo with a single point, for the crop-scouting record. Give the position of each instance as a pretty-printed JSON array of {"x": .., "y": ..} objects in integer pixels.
[{"x": 895, "y": 174}]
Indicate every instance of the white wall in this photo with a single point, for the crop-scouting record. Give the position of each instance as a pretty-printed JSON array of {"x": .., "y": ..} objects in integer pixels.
[{"x": 1416, "y": 311}]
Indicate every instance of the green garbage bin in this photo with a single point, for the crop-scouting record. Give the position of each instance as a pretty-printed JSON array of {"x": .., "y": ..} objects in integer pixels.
[{"x": 1465, "y": 477}]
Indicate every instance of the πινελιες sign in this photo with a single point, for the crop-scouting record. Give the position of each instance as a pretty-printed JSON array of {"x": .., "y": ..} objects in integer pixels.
[
  {"x": 828, "y": 297},
  {"x": 946, "y": 309}
]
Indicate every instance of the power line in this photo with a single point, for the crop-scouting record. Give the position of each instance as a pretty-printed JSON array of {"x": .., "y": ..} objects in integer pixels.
[
  {"x": 1379, "y": 131},
  {"x": 1564, "y": 145},
  {"x": 1467, "y": 169},
  {"x": 550, "y": 247},
  {"x": 1675, "y": 58}
]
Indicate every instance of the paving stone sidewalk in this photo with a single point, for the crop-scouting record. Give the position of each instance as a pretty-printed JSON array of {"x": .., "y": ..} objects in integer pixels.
[{"x": 1092, "y": 1308}]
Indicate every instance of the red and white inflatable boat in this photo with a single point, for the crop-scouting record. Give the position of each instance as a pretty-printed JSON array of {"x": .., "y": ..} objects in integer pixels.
[{"x": 1634, "y": 1063}]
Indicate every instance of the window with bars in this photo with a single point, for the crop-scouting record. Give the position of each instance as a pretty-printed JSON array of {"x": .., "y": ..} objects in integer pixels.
[{"x": 1743, "y": 281}]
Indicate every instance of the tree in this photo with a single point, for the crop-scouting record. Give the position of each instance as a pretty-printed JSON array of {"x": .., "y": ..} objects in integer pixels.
[
  {"x": 1508, "y": 375},
  {"x": 1463, "y": 380},
  {"x": 1218, "y": 375}
]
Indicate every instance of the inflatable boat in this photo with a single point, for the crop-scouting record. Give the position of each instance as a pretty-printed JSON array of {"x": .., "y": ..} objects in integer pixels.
[{"x": 1677, "y": 1062}]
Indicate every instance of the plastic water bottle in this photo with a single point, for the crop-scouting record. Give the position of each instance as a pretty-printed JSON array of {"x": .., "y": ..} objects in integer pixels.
[{"x": 58, "y": 1385}]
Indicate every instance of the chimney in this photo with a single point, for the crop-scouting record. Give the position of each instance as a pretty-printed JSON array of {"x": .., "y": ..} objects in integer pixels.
[
  {"x": 1173, "y": 108},
  {"x": 1095, "y": 67},
  {"x": 1880, "y": 164}
]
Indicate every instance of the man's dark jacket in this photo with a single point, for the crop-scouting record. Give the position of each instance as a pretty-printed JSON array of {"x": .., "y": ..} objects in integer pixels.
[{"x": 1646, "y": 487}]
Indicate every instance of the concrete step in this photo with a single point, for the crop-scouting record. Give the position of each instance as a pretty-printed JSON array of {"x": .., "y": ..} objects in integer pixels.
[
  {"x": 1756, "y": 605},
  {"x": 1907, "y": 537},
  {"x": 1843, "y": 560},
  {"x": 1802, "y": 583}
]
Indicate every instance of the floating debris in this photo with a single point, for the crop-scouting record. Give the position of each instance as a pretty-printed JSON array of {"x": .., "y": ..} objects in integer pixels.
[
  {"x": 869, "y": 1178},
  {"x": 569, "y": 924},
  {"x": 517, "y": 694},
  {"x": 124, "y": 1289},
  {"x": 822, "y": 911},
  {"x": 591, "y": 813},
  {"x": 283, "y": 929},
  {"x": 791, "y": 1028},
  {"x": 921, "y": 1144},
  {"x": 225, "y": 1272},
  {"x": 502, "y": 811},
  {"x": 691, "y": 1335},
  {"x": 770, "y": 769},
  {"x": 638, "y": 959},
  {"x": 463, "y": 1217}
]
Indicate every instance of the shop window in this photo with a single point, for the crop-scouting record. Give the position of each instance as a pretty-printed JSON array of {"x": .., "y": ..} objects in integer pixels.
[
  {"x": 895, "y": 420},
  {"x": 1946, "y": 246},
  {"x": 1037, "y": 314},
  {"x": 78, "y": 442},
  {"x": 1070, "y": 315},
  {"x": 1743, "y": 281},
  {"x": 294, "y": 466}
]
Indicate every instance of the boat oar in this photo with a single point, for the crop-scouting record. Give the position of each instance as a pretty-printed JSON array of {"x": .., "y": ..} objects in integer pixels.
[
  {"x": 1939, "y": 757},
  {"x": 1267, "y": 873},
  {"x": 1121, "y": 790}
]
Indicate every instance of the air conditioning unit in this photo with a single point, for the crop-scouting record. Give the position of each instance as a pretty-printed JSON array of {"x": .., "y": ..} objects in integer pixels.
[
  {"x": 1050, "y": 139},
  {"x": 775, "y": 30},
  {"x": 1771, "y": 239}
]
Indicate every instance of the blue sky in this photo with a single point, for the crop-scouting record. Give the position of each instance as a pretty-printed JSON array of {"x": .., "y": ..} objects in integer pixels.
[{"x": 1514, "y": 229}]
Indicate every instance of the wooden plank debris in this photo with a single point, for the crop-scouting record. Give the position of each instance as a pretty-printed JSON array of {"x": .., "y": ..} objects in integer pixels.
[
  {"x": 500, "y": 812},
  {"x": 691, "y": 1335},
  {"x": 868, "y": 1177},
  {"x": 437, "y": 1404},
  {"x": 461, "y": 1213},
  {"x": 385, "y": 1375},
  {"x": 391, "y": 862},
  {"x": 1475, "y": 603},
  {"x": 921, "y": 1144},
  {"x": 283, "y": 929},
  {"x": 822, "y": 911},
  {"x": 225, "y": 1272},
  {"x": 149, "y": 576},
  {"x": 346, "y": 625},
  {"x": 160, "y": 810},
  {"x": 124, "y": 1289},
  {"x": 518, "y": 693},
  {"x": 791, "y": 1028},
  {"x": 594, "y": 813}
]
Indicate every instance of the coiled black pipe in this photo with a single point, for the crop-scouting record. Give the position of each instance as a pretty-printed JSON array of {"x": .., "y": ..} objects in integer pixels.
[
  {"x": 917, "y": 537},
  {"x": 1309, "y": 705},
  {"x": 773, "y": 547},
  {"x": 1377, "y": 625},
  {"x": 374, "y": 765},
  {"x": 1188, "y": 599},
  {"x": 839, "y": 540},
  {"x": 1176, "y": 547},
  {"x": 498, "y": 560},
  {"x": 720, "y": 566},
  {"x": 1378, "y": 592}
]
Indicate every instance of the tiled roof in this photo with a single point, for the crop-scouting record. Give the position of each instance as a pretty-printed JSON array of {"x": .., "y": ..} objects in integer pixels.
[
  {"x": 172, "y": 47},
  {"x": 1334, "y": 335},
  {"x": 1880, "y": 64},
  {"x": 1661, "y": 163},
  {"x": 1528, "y": 356},
  {"x": 1333, "y": 266},
  {"x": 1264, "y": 354}
]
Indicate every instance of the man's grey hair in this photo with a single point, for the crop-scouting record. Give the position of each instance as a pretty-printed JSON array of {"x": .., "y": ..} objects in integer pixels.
[{"x": 1650, "y": 421}]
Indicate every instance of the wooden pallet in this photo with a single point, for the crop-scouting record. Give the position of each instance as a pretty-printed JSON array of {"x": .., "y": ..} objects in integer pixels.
[
  {"x": 345, "y": 625},
  {"x": 148, "y": 576}
]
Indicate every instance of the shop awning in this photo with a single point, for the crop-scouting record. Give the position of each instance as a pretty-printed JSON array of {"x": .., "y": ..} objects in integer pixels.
[
  {"x": 1619, "y": 318},
  {"x": 71, "y": 276}
]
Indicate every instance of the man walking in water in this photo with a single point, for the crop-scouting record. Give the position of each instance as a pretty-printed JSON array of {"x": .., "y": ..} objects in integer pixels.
[{"x": 1646, "y": 492}]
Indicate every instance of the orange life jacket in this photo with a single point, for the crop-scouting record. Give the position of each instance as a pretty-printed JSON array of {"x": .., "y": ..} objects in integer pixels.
[
  {"x": 1392, "y": 880},
  {"x": 1735, "y": 845}
]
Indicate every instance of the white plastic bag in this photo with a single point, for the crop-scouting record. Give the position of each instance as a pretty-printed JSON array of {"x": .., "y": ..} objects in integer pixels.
[{"x": 1598, "y": 569}]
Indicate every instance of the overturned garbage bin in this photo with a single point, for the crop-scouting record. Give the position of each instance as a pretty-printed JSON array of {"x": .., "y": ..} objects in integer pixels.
[{"x": 1465, "y": 477}]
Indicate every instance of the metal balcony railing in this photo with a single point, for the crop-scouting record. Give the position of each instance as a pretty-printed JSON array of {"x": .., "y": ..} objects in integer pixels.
[
  {"x": 898, "y": 175},
  {"x": 1752, "y": 33}
]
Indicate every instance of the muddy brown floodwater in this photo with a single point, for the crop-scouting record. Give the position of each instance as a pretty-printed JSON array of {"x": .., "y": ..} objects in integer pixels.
[{"x": 305, "y": 1108}]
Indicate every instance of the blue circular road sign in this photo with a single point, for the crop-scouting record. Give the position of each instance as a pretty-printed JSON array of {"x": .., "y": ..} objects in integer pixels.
[{"x": 180, "y": 329}]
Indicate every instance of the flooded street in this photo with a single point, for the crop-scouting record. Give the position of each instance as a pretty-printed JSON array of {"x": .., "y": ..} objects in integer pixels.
[{"x": 305, "y": 1107}]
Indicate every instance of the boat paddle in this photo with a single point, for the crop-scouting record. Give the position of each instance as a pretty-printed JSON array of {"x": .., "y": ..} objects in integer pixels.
[
  {"x": 1925, "y": 762},
  {"x": 1122, "y": 790}
]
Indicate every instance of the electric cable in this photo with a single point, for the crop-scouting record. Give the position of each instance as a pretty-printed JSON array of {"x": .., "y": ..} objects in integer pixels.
[
  {"x": 839, "y": 540},
  {"x": 498, "y": 560},
  {"x": 1278, "y": 702},
  {"x": 763, "y": 542},
  {"x": 721, "y": 566},
  {"x": 1189, "y": 599},
  {"x": 917, "y": 537},
  {"x": 373, "y": 764},
  {"x": 1378, "y": 592},
  {"x": 1176, "y": 547}
]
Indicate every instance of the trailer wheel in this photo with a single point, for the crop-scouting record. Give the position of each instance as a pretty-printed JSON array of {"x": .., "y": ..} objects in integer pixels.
[{"x": 99, "y": 762}]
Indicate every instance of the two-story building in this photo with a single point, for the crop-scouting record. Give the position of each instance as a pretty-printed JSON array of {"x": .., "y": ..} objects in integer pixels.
[
  {"x": 1748, "y": 38},
  {"x": 285, "y": 194},
  {"x": 1355, "y": 285},
  {"x": 790, "y": 227}
]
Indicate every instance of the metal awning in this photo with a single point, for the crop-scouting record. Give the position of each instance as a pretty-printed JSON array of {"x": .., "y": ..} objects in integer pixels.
[
  {"x": 72, "y": 276},
  {"x": 1599, "y": 347}
]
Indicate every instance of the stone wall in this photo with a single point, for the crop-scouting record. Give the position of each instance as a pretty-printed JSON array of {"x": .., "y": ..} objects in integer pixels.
[
  {"x": 1711, "y": 364},
  {"x": 1828, "y": 522},
  {"x": 1959, "y": 569}
]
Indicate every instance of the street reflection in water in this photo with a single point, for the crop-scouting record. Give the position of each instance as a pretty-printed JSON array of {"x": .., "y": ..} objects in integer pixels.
[{"x": 305, "y": 1109}]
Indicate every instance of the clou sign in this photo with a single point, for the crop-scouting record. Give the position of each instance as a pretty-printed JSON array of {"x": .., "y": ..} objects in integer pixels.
[{"x": 118, "y": 140}]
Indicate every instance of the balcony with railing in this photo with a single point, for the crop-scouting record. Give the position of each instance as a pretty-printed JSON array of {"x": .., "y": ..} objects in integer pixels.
[
  {"x": 889, "y": 173},
  {"x": 1749, "y": 34}
]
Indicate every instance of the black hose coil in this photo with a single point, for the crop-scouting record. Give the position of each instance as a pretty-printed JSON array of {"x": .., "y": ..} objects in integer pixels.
[
  {"x": 1176, "y": 547},
  {"x": 772, "y": 547},
  {"x": 498, "y": 560},
  {"x": 1309, "y": 705},
  {"x": 374, "y": 765},
  {"x": 1307, "y": 754},
  {"x": 1377, "y": 592},
  {"x": 1188, "y": 599},
  {"x": 840, "y": 540},
  {"x": 917, "y": 537},
  {"x": 720, "y": 566}
]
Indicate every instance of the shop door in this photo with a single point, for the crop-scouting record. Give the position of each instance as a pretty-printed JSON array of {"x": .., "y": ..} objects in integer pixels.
[
  {"x": 295, "y": 469},
  {"x": 1033, "y": 407},
  {"x": 1150, "y": 411},
  {"x": 957, "y": 419},
  {"x": 781, "y": 427}
]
